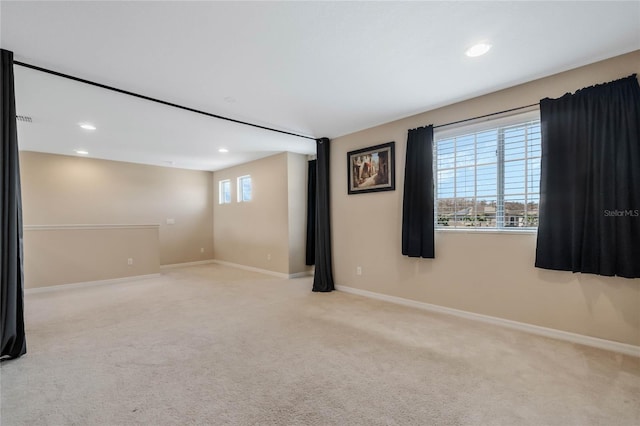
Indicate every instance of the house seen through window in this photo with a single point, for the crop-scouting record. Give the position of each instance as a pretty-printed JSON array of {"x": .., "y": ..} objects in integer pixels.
[{"x": 488, "y": 175}]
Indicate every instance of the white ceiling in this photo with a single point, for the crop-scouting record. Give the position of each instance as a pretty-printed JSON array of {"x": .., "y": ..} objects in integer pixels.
[{"x": 314, "y": 68}]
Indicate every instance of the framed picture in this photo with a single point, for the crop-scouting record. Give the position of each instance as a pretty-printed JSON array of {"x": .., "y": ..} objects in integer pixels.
[{"x": 372, "y": 169}]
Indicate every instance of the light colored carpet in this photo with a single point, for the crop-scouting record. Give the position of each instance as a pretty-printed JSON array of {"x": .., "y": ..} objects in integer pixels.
[{"x": 216, "y": 345}]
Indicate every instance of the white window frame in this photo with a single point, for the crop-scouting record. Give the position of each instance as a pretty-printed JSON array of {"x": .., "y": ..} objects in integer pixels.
[
  {"x": 239, "y": 188},
  {"x": 221, "y": 184},
  {"x": 477, "y": 127}
]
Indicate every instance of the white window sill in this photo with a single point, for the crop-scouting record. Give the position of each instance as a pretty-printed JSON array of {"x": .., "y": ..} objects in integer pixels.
[{"x": 471, "y": 230}]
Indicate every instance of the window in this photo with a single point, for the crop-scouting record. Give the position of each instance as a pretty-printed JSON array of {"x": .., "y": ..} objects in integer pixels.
[
  {"x": 224, "y": 191},
  {"x": 244, "y": 188},
  {"x": 488, "y": 175}
]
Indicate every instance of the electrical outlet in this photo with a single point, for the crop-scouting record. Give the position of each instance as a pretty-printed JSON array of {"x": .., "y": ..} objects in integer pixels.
[
  {"x": 201, "y": 249},
  {"x": 171, "y": 221},
  {"x": 359, "y": 270},
  {"x": 269, "y": 256},
  {"x": 130, "y": 261}
]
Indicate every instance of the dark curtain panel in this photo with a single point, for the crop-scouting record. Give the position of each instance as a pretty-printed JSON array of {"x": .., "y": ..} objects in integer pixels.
[
  {"x": 323, "y": 277},
  {"x": 311, "y": 214},
  {"x": 417, "y": 204},
  {"x": 11, "y": 304},
  {"x": 590, "y": 181}
]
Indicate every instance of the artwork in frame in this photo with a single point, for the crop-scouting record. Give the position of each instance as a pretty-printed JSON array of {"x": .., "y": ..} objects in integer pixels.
[{"x": 372, "y": 169}]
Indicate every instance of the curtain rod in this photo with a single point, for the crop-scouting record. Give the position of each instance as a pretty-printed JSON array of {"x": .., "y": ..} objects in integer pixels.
[
  {"x": 486, "y": 115},
  {"x": 148, "y": 98}
]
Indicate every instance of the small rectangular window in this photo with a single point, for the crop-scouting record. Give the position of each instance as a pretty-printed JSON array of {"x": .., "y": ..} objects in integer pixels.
[
  {"x": 488, "y": 175},
  {"x": 224, "y": 191},
  {"x": 244, "y": 188}
]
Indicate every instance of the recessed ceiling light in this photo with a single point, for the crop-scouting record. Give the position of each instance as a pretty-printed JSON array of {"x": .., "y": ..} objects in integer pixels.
[
  {"x": 478, "y": 50},
  {"x": 81, "y": 152},
  {"x": 87, "y": 126},
  {"x": 223, "y": 150}
]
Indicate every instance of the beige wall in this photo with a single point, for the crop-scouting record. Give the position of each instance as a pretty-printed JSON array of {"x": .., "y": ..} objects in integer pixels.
[
  {"x": 57, "y": 255},
  {"x": 297, "y": 170},
  {"x": 68, "y": 190},
  {"x": 268, "y": 231},
  {"x": 490, "y": 274}
]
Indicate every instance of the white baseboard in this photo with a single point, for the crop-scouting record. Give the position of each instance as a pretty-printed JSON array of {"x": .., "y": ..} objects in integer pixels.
[
  {"x": 88, "y": 284},
  {"x": 262, "y": 271},
  {"x": 581, "y": 339},
  {"x": 182, "y": 265},
  {"x": 252, "y": 269},
  {"x": 301, "y": 274}
]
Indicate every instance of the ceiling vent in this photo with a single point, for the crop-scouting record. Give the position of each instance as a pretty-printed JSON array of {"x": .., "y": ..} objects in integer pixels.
[{"x": 24, "y": 118}]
